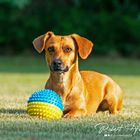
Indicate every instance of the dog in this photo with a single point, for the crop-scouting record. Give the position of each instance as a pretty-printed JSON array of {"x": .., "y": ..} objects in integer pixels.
[{"x": 83, "y": 92}]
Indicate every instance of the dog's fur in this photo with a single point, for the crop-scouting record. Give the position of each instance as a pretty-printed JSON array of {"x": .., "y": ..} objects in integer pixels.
[{"x": 82, "y": 92}]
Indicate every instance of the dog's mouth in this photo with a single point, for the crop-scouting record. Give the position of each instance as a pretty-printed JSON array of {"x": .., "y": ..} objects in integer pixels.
[{"x": 59, "y": 69}]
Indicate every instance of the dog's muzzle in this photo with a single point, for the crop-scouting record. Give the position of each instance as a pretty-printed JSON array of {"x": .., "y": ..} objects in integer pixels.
[{"x": 58, "y": 66}]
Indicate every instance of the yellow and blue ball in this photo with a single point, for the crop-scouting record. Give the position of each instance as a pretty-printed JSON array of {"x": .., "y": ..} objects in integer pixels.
[{"x": 45, "y": 104}]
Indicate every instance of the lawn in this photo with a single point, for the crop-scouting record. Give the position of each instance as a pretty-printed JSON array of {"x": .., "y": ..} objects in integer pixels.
[{"x": 21, "y": 76}]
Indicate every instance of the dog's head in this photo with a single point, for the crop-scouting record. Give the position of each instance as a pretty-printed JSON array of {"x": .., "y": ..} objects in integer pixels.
[{"x": 61, "y": 51}]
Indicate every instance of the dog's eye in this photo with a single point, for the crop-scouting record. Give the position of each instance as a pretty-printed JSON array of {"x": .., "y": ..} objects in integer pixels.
[
  {"x": 51, "y": 49},
  {"x": 67, "y": 50}
]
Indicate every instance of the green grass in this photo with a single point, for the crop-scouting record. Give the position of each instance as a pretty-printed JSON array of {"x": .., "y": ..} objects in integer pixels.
[{"x": 21, "y": 76}]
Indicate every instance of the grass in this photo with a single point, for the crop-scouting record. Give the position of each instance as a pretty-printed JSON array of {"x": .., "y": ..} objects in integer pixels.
[{"x": 21, "y": 76}]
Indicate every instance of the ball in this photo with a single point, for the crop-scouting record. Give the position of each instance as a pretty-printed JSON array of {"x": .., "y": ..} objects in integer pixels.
[{"x": 45, "y": 104}]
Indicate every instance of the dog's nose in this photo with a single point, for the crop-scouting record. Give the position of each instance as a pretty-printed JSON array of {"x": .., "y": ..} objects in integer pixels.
[{"x": 57, "y": 62}]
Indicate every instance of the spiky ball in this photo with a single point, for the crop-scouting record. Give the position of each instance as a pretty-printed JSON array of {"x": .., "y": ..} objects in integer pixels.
[{"x": 45, "y": 104}]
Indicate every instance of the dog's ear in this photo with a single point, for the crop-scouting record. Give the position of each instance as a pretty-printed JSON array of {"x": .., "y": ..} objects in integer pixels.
[
  {"x": 84, "y": 45},
  {"x": 39, "y": 42}
]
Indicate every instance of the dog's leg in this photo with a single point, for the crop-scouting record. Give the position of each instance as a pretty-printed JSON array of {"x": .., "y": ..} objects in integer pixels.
[
  {"x": 75, "y": 113},
  {"x": 113, "y": 103},
  {"x": 113, "y": 98}
]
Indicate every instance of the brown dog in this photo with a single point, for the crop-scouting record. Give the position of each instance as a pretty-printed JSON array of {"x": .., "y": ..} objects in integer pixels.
[{"x": 82, "y": 92}]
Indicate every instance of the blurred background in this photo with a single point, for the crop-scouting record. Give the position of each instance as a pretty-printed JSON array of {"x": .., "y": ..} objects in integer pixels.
[{"x": 113, "y": 25}]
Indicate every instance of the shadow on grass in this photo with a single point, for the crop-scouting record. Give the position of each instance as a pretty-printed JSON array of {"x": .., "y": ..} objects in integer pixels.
[{"x": 13, "y": 111}]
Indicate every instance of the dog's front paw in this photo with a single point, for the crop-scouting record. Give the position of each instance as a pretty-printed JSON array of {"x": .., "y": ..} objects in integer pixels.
[
  {"x": 68, "y": 115},
  {"x": 75, "y": 114}
]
